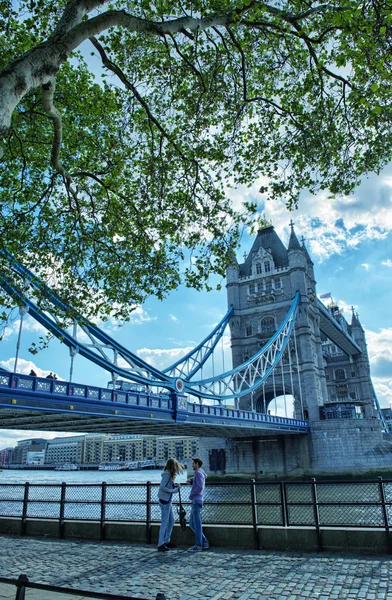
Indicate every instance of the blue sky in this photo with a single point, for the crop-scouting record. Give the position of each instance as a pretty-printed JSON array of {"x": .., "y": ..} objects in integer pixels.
[{"x": 350, "y": 242}]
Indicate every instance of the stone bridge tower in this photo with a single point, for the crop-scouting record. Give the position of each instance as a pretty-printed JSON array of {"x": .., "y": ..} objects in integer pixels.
[
  {"x": 332, "y": 388},
  {"x": 261, "y": 290}
]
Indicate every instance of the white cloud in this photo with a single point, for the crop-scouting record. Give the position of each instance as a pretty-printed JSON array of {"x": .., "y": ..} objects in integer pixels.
[
  {"x": 9, "y": 437},
  {"x": 380, "y": 356},
  {"x": 160, "y": 358},
  {"x": 244, "y": 193},
  {"x": 140, "y": 316},
  {"x": 331, "y": 225},
  {"x": 346, "y": 308},
  {"x": 173, "y": 318},
  {"x": 366, "y": 266},
  {"x": 387, "y": 263},
  {"x": 29, "y": 324},
  {"x": 383, "y": 391},
  {"x": 25, "y": 366}
]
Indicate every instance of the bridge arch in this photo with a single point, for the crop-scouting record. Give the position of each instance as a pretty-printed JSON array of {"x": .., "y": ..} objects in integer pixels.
[{"x": 287, "y": 400}]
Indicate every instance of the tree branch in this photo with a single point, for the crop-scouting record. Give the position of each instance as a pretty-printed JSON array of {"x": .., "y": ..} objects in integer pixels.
[
  {"x": 115, "y": 69},
  {"x": 53, "y": 113}
]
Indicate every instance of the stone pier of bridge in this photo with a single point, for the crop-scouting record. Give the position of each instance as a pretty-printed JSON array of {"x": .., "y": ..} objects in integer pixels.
[{"x": 332, "y": 448}]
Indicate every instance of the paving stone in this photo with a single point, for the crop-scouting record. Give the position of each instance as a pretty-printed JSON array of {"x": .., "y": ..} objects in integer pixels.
[{"x": 221, "y": 574}]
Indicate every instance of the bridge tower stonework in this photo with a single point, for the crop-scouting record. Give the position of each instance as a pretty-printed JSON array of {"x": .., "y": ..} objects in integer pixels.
[
  {"x": 261, "y": 291},
  {"x": 331, "y": 388}
]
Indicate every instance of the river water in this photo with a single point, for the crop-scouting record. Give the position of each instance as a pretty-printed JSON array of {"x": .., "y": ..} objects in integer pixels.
[{"x": 82, "y": 477}]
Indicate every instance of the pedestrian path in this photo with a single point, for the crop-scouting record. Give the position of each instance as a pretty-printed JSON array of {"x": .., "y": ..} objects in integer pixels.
[{"x": 217, "y": 574}]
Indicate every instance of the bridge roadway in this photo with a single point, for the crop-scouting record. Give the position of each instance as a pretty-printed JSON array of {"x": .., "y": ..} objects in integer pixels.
[{"x": 52, "y": 405}]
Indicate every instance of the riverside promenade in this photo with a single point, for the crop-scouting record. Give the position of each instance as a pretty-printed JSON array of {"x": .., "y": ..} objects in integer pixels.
[{"x": 217, "y": 574}]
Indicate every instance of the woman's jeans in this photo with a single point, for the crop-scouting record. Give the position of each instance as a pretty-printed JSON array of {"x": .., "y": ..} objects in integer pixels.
[
  {"x": 167, "y": 522},
  {"x": 196, "y": 525}
]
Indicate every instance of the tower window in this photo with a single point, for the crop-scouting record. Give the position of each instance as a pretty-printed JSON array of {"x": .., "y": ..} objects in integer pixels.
[
  {"x": 249, "y": 330},
  {"x": 267, "y": 324},
  {"x": 267, "y": 267},
  {"x": 258, "y": 269},
  {"x": 268, "y": 285},
  {"x": 252, "y": 288},
  {"x": 340, "y": 374},
  {"x": 278, "y": 284}
]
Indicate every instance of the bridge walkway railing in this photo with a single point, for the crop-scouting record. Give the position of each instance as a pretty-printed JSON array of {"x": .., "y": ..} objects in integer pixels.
[
  {"x": 75, "y": 392},
  {"x": 254, "y": 504}
]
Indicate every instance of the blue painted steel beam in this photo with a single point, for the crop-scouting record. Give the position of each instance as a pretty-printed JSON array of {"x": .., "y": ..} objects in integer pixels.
[
  {"x": 22, "y": 392},
  {"x": 223, "y": 323},
  {"x": 40, "y": 286},
  {"x": 68, "y": 340},
  {"x": 191, "y": 387}
]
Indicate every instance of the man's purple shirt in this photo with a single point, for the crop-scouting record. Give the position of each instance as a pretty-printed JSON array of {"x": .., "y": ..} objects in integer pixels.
[{"x": 198, "y": 485}]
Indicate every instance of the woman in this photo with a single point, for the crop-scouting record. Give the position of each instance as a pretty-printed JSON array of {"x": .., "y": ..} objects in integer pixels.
[{"x": 166, "y": 490}]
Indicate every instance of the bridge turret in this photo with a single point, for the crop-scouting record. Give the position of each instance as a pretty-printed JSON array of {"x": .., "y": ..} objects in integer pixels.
[
  {"x": 297, "y": 263},
  {"x": 309, "y": 262},
  {"x": 295, "y": 251},
  {"x": 362, "y": 368},
  {"x": 358, "y": 332},
  {"x": 232, "y": 282},
  {"x": 356, "y": 326}
]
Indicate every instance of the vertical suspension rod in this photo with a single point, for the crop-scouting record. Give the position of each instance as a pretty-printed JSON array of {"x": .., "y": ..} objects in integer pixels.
[
  {"x": 299, "y": 376},
  {"x": 273, "y": 383},
  {"x": 291, "y": 374},
  {"x": 284, "y": 387},
  {"x": 22, "y": 312}
]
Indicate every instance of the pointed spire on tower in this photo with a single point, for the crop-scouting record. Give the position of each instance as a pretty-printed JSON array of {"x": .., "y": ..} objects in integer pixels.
[
  {"x": 355, "y": 322},
  {"x": 305, "y": 251},
  {"x": 233, "y": 258},
  {"x": 293, "y": 242}
]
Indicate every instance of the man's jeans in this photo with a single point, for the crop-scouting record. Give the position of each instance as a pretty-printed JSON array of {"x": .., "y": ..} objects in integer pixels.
[
  {"x": 196, "y": 525},
  {"x": 167, "y": 522}
]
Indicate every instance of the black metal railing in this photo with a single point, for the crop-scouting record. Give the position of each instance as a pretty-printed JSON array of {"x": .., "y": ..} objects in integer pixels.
[
  {"x": 23, "y": 583},
  {"x": 254, "y": 504}
]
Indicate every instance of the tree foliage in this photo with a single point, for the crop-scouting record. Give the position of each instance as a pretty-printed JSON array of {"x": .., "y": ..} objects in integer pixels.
[{"x": 124, "y": 124}]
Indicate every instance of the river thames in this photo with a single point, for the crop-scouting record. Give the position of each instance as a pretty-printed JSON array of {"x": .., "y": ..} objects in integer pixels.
[{"x": 82, "y": 477}]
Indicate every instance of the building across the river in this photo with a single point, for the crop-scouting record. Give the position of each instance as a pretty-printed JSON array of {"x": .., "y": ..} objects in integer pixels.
[{"x": 92, "y": 449}]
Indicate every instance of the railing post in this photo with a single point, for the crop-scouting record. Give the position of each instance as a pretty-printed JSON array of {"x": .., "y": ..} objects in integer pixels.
[
  {"x": 283, "y": 503},
  {"x": 254, "y": 513},
  {"x": 25, "y": 507},
  {"x": 102, "y": 524},
  {"x": 385, "y": 514},
  {"x": 316, "y": 514},
  {"x": 148, "y": 512},
  {"x": 62, "y": 509},
  {"x": 20, "y": 587}
]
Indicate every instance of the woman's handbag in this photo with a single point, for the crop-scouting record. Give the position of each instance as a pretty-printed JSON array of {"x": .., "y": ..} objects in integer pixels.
[{"x": 181, "y": 512}]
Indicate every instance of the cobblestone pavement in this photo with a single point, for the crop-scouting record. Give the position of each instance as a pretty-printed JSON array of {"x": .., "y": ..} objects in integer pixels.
[{"x": 216, "y": 574}]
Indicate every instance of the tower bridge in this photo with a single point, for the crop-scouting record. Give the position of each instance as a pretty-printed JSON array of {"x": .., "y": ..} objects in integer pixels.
[
  {"x": 284, "y": 341},
  {"x": 33, "y": 403}
]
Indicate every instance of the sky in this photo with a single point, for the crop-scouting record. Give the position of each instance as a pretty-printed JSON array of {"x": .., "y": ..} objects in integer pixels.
[{"x": 350, "y": 242}]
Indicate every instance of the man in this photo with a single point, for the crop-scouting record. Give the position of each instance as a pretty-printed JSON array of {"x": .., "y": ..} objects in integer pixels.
[{"x": 197, "y": 494}]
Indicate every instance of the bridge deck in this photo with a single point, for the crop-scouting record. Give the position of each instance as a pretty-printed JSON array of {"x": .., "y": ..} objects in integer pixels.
[
  {"x": 50, "y": 405},
  {"x": 336, "y": 334}
]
